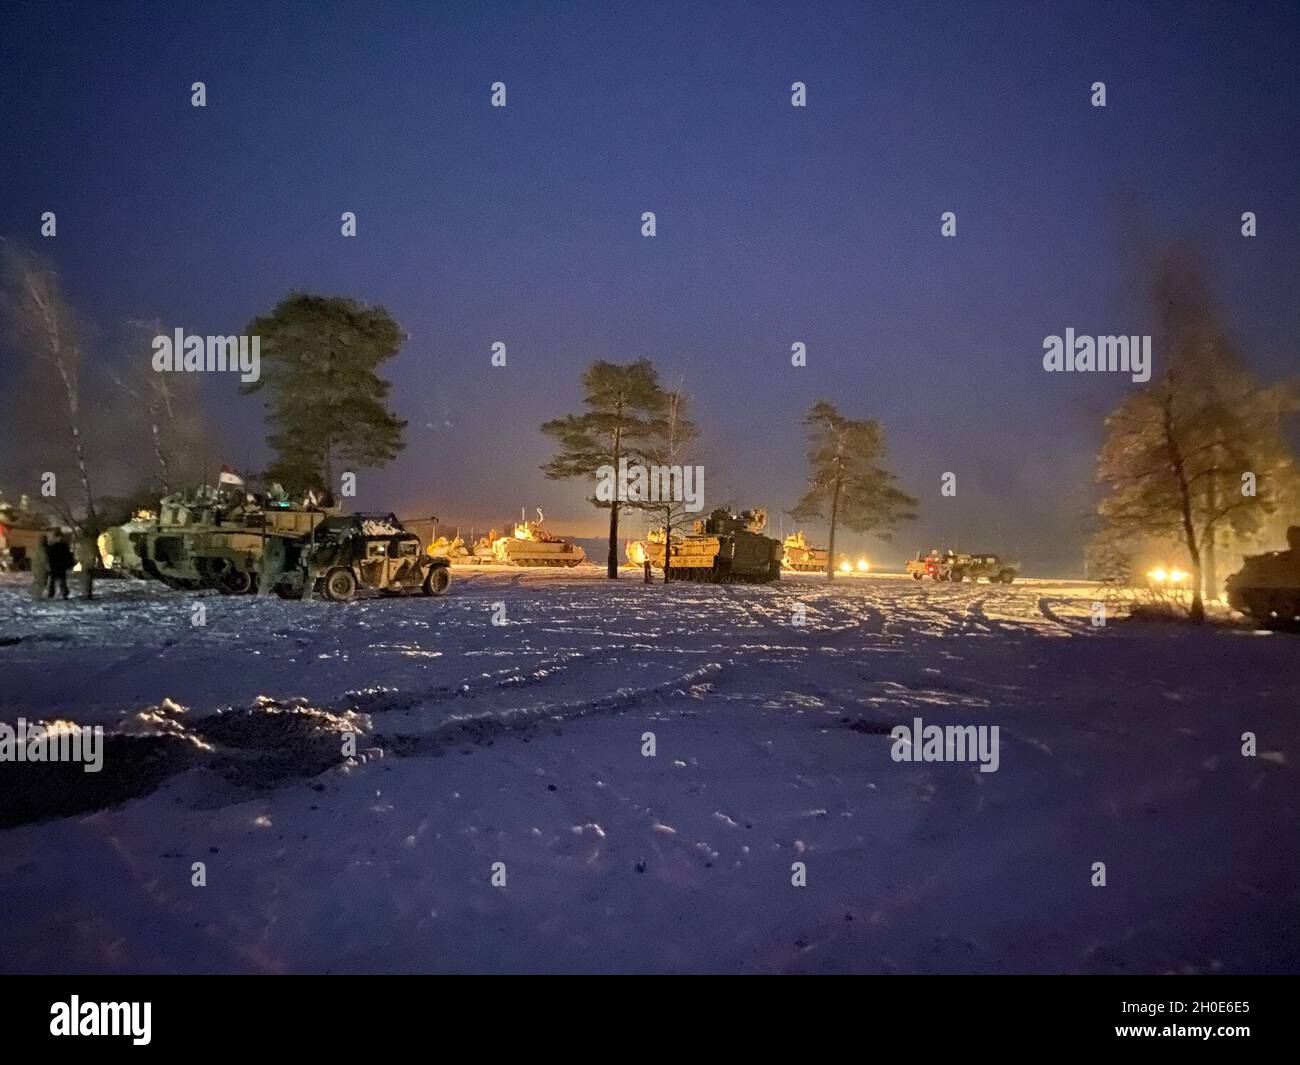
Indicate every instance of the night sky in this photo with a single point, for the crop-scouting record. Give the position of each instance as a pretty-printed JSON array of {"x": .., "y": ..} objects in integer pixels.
[{"x": 775, "y": 224}]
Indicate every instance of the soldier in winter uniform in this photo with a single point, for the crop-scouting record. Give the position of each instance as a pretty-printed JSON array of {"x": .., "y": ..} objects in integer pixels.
[
  {"x": 40, "y": 567},
  {"x": 60, "y": 556},
  {"x": 88, "y": 556}
]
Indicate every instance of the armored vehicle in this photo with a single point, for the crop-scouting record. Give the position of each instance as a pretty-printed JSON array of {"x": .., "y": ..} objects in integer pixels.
[
  {"x": 117, "y": 550},
  {"x": 934, "y": 565},
  {"x": 349, "y": 552},
  {"x": 531, "y": 545},
  {"x": 727, "y": 547},
  {"x": 652, "y": 548},
  {"x": 216, "y": 537},
  {"x": 801, "y": 557},
  {"x": 1267, "y": 587},
  {"x": 974, "y": 567},
  {"x": 21, "y": 528}
]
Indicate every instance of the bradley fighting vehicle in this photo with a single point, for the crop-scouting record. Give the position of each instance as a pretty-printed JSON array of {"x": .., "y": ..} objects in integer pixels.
[
  {"x": 727, "y": 547},
  {"x": 652, "y": 548},
  {"x": 1267, "y": 587},
  {"x": 212, "y": 538},
  {"x": 531, "y": 545},
  {"x": 801, "y": 557}
]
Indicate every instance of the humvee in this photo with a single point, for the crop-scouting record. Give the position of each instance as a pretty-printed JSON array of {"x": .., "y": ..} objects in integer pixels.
[
  {"x": 977, "y": 566},
  {"x": 352, "y": 551}
]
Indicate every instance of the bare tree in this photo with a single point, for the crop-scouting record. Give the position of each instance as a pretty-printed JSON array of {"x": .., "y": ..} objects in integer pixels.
[
  {"x": 678, "y": 435},
  {"x": 165, "y": 409},
  {"x": 46, "y": 327}
]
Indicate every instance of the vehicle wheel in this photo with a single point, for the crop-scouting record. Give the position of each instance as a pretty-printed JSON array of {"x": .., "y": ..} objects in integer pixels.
[
  {"x": 1006, "y": 576},
  {"x": 235, "y": 582},
  {"x": 438, "y": 580},
  {"x": 956, "y": 575},
  {"x": 340, "y": 585},
  {"x": 917, "y": 576}
]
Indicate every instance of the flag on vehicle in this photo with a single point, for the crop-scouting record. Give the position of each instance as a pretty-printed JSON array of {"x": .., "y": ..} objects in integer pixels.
[{"x": 229, "y": 476}]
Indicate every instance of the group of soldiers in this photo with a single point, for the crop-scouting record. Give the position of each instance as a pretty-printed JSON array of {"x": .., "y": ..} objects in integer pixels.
[{"x": 54, "y": 557}]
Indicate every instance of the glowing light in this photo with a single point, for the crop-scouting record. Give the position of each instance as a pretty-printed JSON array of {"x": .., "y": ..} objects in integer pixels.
[
  {"x": 863, "y": 565},
  {"x": 1176, "y": 576},
  {"x": 845, "y": 567},
  {"x": 1158, "y": 575}
]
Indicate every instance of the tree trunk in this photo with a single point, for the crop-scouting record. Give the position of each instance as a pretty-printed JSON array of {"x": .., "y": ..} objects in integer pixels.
[
  {"x": 1185, "y": 501},
  {"x": 611, "y": 567},
  {"x": 835, "y": 513},
  {"x": 1207, "y": 540}
]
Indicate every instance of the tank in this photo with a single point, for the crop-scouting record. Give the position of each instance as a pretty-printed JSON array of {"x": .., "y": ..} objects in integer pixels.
[
  {"x": 1267, "y": 587},
  {"x": 531, "y": 545},
  {"x": 801, "y": 557},
  {"x": 727, "y": 547}
]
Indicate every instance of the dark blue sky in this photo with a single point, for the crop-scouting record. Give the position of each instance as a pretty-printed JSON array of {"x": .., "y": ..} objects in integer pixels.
[{"x": 776, "y": 224}]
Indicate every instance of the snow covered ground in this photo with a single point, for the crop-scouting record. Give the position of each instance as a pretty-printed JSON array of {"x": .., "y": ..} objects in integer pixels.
[{"x": 521, "y": 743}]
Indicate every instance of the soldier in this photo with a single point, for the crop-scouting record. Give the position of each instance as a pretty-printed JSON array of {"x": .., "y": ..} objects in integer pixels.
[
  {"x": 88, "y": 557},
  {"x": 40, "y": 568},
  {"x": 60, "y": 556},
  {"x": 648, "y": 576}
]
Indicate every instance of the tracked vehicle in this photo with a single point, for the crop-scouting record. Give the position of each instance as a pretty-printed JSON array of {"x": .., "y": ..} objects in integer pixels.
[
  {"x": 727, "y": 547},
  {"x": 801, "y": 557},
  {"x": 212, "y": 538},
  {"x": 1267, "y": 587},
  {"x": 531, "y": 545}
]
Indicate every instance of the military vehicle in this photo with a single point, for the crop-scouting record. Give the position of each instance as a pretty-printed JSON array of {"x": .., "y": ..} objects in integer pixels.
[
  {"x": 801, "y": 557},
  {"x": 727, "y": 547},
  {"x": 1267, "y": 587},
  {"x": 453, "y": 549},
  {"x": 974, "y": 566},
  {"x": 652, "y": 548},
  {"x": 21, "y": 528},
  {"x": 933, "y": 565},
  {"x": 531, "y": 545},
  {"x": 117, "y": 551},
  {"x": 216, "y": 537},
  {"x": 348, "y": 552},
  {"x": 951, "y": 566}
]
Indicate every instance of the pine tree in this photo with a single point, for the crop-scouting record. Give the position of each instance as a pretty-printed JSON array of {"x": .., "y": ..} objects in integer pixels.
[
  {"x": 624, "y": 416},
  {"x": 327, "y": 404},
  {"x": 1175, "y": 455},
  {"x": 847, "y": 483}
]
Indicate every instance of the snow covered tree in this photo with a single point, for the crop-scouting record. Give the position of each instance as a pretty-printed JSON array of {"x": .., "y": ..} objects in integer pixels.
[
  {"x": 327, "y": 403},
  {"x": 1201, "y": 449},
  {"x": 847, "y": 484},
  {"x": 625, "y": 415}
]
